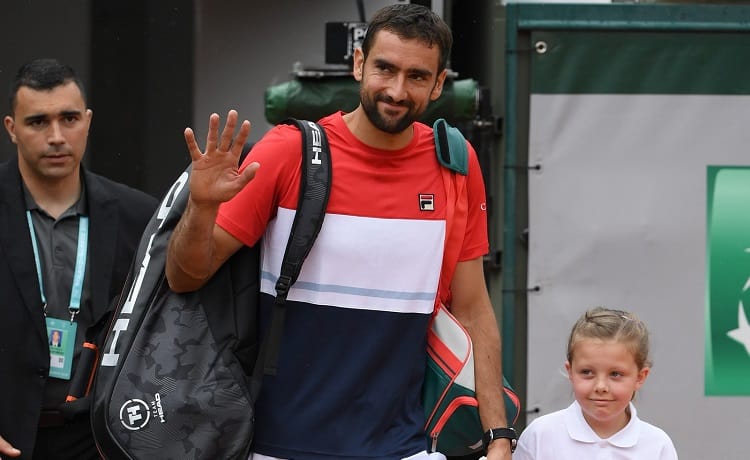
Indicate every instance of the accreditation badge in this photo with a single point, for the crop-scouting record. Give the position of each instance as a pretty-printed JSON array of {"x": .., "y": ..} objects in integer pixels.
[{"x": 61, "y": 335}]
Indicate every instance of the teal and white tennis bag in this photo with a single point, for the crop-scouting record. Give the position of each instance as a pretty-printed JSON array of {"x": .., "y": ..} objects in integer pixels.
[{"x": 452, "y": 424}]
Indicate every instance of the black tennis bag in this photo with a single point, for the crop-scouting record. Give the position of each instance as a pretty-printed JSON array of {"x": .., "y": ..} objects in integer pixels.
[{"x": 177, "y": 376}]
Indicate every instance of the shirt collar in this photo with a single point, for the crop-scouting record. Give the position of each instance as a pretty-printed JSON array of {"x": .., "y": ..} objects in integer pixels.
[
  {"x": 77, "y": 209},
  {"x": 579, "y": 429}
]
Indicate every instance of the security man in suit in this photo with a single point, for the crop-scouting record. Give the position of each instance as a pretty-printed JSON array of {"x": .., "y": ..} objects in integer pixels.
[{"x": 67, "y": 239}]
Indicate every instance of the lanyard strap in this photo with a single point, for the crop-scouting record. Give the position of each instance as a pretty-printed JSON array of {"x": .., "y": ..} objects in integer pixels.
[{"x": 80, "y": 269}]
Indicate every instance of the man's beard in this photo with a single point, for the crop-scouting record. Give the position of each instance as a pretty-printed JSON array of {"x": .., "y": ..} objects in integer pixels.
[{"x": 389, "y": 126}]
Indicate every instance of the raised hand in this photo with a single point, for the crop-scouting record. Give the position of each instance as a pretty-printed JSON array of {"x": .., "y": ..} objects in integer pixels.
[{"x": 215, "y": 176}]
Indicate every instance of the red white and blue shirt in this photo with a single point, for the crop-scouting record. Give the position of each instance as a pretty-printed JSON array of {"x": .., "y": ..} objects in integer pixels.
[{"x": 353, "y": 351}]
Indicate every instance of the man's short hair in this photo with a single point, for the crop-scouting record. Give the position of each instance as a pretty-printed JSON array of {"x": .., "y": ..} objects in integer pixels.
[
  {"x": 411, "y": 21},
  {"x": 43, "y": 74}
]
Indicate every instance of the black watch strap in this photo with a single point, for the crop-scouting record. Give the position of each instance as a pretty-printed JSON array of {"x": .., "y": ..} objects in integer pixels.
[{"x": 495, "y": 433}]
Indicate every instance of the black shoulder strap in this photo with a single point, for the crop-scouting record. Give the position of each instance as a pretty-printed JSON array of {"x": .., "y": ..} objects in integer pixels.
[
  {"x": 308, "y": 219},
  {"x": 311, "y": 207}
]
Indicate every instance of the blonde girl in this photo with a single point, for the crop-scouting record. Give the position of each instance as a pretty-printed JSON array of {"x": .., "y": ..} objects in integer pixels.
[{"x": 607, "y": 362}]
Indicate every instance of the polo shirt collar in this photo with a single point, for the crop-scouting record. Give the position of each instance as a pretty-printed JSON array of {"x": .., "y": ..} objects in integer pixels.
[
  {"x": 77, "y": 209},
  {"x": 579, "y": 429}
]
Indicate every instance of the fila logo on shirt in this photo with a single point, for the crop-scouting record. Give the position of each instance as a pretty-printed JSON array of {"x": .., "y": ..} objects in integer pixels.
[{"x": 426, "y": 202}]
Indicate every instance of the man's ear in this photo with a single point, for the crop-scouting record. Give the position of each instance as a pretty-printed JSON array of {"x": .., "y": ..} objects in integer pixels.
[
  {"x": 358, "y": 64},
  {"x": 10, "y": 126},
  {"x": 89, "y": 117},
  {"x": 437, "y": 90}
]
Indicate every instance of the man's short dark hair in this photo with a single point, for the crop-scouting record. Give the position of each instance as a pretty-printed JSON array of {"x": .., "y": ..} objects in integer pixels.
[
  {"x": 411, "y": 21},
  {"x": 43, "y": 74}
]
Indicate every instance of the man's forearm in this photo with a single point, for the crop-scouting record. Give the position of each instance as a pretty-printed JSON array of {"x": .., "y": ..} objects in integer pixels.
[
  {"x": 191, "y": 249},
  {"x": 472, "y": 306},
  {"x": 488, "y": 371},
  {"x": 488, "y": 379}
]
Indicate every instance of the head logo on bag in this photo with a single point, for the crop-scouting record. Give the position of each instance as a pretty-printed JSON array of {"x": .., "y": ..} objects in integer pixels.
[{"x": 134, "y": 414}]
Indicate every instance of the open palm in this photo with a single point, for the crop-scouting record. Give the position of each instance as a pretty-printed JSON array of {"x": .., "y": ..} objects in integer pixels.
[{"x": 215, "y": 175}]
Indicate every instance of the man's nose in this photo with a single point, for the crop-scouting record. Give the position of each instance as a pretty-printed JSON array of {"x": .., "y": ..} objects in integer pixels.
[
  {"x": 397, "y": 90},
  {"x": 55, "y": 133}
]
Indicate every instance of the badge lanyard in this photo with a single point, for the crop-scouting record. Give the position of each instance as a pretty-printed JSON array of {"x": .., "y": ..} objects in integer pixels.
[
  {"x": 80, "y": 269},
  {"x": 61, "y": 333}
]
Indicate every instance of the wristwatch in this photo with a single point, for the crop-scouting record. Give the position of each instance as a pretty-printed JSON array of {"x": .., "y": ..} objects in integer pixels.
[{"x": 495, "y": 433}]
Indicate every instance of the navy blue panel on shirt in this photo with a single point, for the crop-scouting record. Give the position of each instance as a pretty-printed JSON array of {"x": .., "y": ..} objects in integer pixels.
[{"x": 348, "y": 385}]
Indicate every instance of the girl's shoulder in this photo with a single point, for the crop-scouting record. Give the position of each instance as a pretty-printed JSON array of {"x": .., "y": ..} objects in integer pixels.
[
  {"x": 554, "y": 422},
  {"x": 546, "y": 437},
  {"x": 652, "y": 435}
]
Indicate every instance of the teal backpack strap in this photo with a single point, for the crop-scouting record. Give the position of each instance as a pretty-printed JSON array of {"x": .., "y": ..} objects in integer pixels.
[
  {"x": 450, "y": 146},
  {"x": 453, "y": 154}
]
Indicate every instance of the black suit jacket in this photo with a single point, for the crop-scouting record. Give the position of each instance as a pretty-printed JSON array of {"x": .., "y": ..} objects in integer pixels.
[{"x": 117, "y": 217}]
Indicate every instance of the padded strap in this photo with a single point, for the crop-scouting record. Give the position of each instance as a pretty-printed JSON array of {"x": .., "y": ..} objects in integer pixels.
[
  {"x": 311, "y": 206},
  {"x": 308, "y": 219},
  {"x": 457, "y": 203},
  {"x": 451, "y": 147}
]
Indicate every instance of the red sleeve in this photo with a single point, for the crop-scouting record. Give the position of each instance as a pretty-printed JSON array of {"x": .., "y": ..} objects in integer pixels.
[
  {"x": 275, "y": 184},
  {"x": 476, "y": 243}
]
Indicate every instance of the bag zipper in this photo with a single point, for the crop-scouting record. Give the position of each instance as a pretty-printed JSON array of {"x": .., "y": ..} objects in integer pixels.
[{"x": 452, "y": 406}]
